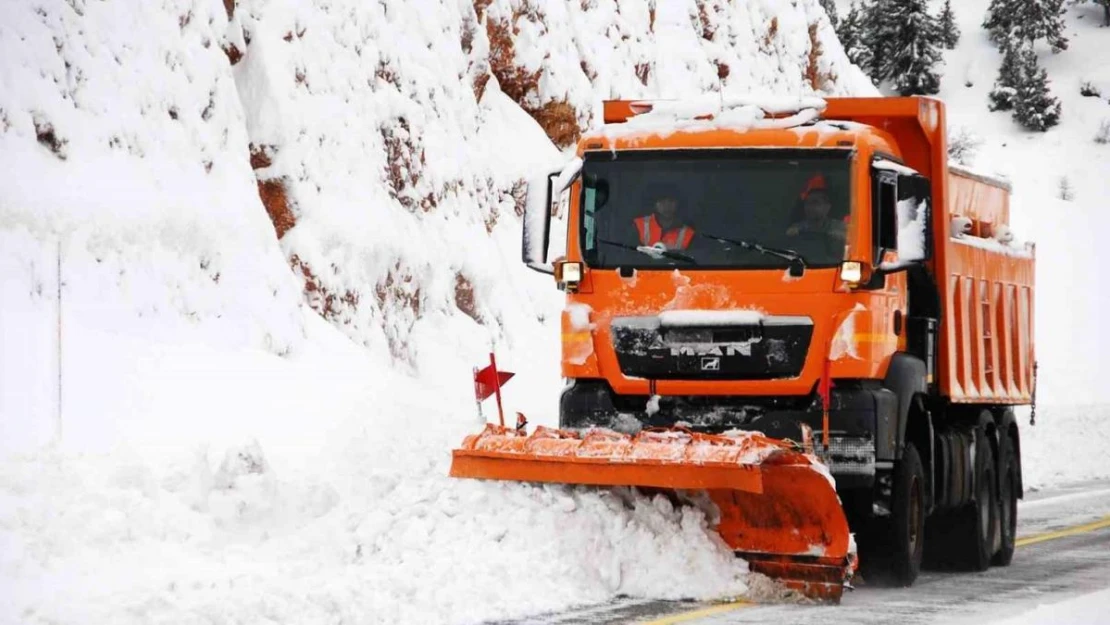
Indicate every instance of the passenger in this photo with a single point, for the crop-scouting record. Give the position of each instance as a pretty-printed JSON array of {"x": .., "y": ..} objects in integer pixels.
[
  {"x": 665, "y": 224},
  {"x": 815, "y": 212}
]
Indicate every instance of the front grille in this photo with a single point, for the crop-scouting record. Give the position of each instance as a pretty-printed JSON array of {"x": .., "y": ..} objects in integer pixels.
[{"x": 774, "y": 348}]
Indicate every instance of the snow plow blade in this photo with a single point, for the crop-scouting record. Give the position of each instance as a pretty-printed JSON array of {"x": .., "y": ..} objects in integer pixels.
[{"x": 778, "y": 507}]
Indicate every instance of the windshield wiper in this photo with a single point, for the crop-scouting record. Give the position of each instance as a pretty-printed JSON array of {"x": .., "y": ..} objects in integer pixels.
[
  {"x": 654, "y": 252},
  {"x": 797, "y": 263}
]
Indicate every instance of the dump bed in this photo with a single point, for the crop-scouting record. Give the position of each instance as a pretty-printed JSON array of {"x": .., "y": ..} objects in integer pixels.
[{"x": 986, "y": 352}]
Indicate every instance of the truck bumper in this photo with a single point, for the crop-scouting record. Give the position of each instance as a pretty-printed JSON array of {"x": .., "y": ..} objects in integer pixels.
[{"x": 854, "y": 412}]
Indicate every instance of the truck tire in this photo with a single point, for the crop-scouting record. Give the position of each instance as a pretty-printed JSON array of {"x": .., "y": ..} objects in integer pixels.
[
  {"x": 977, "y": 522},
  {"x": 908, "y": 516},
  {"x": 1007, "y": 500}
]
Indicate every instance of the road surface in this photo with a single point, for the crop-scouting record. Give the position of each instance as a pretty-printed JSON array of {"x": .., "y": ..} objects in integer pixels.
[{"x": 1063, "y": 552}]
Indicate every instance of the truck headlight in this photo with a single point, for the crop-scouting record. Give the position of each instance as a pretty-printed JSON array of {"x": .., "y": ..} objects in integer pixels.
[
  {"x": 851, "y": 271},
  {"x": 568, "y": 274}
]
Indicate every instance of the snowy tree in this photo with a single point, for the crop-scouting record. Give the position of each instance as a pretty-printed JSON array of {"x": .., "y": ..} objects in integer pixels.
[
  {"x": 877, "y": 35},
  {"x": 1027, "y": 19},
  {"x": 1000, "y": 19},
  {"x": 1001, "y": 97},
  {"x": 1022, "y": 86},
  {"x": 949, "y": 32},
  {"x": 1043, "y": 19},
  {"x": 913, "y": 48},
  {"x": 851, "y": 37},
  {"x": 830, "y": 8},
  {"x": 1034, "y": 107}
]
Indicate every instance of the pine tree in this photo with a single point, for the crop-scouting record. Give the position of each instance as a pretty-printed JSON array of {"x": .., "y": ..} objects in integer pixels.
[
  {"x": 1042, "y": 19},
  {"x": 848, "y": 30},
  {"x": 949, "y": 32},
  {"x": 850, "y": 33},
  {"x": 830, "y": 8},
  {"x": 1034, "y": 106},
  {"x": 913, "y": 50},
  {"x": 1006, "y": 85},
  {"x": 1027, "y": 19},
  {"x": 1000, "y": 20},
  {"x": 877, "y": 34}
]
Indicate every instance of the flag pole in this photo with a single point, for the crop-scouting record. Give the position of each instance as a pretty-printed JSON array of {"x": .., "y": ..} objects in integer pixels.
[
  {"x": 497, "y": 388},
  {"x": 478, "y": 395}
]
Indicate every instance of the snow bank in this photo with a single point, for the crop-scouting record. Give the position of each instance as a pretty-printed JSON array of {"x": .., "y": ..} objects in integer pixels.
[
  {"x": 222, "y": 453},
  {"x": 1067, "y": 444},
  {"x": 1089, "y": 608},
  {"x": 125, "y": 160},
  {"x": 122, "y": 138}
]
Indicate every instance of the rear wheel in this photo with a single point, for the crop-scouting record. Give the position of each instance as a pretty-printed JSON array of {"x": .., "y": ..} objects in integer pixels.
[
  {"x": 908, "y": 516},
  {"x": 1008, "y": 491},
  {"x": 978, "y": 521}
]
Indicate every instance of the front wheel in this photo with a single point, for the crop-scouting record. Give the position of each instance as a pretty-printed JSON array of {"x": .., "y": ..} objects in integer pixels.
[{"x": 908, "y": 532}]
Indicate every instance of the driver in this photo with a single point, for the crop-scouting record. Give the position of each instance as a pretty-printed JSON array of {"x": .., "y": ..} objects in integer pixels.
[
  {"x": 815, "y": 210},
  {"x": 665, "y": 224}
]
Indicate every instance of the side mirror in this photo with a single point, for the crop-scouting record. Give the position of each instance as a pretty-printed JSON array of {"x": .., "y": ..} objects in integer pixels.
[
  {"x": 913, "y": 215},
  {"x": 886, "y": 269},
  {"x": 542, "y": 190}
]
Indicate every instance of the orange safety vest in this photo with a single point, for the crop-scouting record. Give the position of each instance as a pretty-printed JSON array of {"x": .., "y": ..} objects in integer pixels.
[{"x": 651, "y": 233}]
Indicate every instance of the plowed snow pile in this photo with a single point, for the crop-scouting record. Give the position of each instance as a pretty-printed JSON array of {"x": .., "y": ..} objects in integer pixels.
[{"x": 256, "y": 428}]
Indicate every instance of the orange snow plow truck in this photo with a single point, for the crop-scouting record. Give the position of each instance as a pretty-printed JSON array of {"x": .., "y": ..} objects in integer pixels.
[{"x": 761, "y": 295}]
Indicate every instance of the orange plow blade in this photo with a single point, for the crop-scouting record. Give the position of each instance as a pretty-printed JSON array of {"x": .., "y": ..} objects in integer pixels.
[{"x": 778, "y": 508}]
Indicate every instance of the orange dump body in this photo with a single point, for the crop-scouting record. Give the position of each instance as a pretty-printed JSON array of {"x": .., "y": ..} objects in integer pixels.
[{"x": 987, "y": 353}]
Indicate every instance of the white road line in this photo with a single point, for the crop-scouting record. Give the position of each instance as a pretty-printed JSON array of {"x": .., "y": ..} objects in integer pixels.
[{"x": 1057, "y": 499}]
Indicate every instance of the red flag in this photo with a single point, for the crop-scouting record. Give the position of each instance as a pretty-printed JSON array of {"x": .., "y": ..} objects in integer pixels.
[
  {"x": 489, "y": 381},
  {"x": 484, "y": 383}
]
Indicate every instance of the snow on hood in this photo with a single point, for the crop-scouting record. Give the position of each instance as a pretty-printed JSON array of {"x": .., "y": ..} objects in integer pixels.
[{"x": 704, "y": 318}]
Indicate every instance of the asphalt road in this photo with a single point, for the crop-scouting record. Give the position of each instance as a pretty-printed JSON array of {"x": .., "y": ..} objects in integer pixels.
[{"x": 1063, "y": 552}]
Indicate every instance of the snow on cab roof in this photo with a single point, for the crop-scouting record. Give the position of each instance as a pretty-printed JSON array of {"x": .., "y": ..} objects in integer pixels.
[
  {"x": 660, "y": 119},
  {"x": 710, "y": 112}
]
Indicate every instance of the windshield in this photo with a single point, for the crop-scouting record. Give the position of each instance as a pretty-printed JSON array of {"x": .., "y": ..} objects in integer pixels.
[{"x": 715, "y": 209}]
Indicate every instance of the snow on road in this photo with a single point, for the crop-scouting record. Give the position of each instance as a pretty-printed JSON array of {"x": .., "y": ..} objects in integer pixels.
[
  {"x": 1086, "y": 609},
  {"x": 1059, "y": 575}
]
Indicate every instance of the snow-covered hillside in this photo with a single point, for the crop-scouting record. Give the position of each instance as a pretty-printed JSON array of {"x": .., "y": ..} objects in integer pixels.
[
  {"x": 1073, "y": 341},
  {"x": 284, "y": 234}
]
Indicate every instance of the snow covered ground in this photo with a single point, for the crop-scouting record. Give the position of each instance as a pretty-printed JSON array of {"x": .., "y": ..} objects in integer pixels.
[
  {"x": 1073, "y": 288},
  {"x": 1089, "y": 608},
  {"x": 224, "y": 454}
]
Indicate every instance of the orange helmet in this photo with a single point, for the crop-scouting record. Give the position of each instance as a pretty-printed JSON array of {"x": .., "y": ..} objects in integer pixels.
[{"x": 816, "y": 182}]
